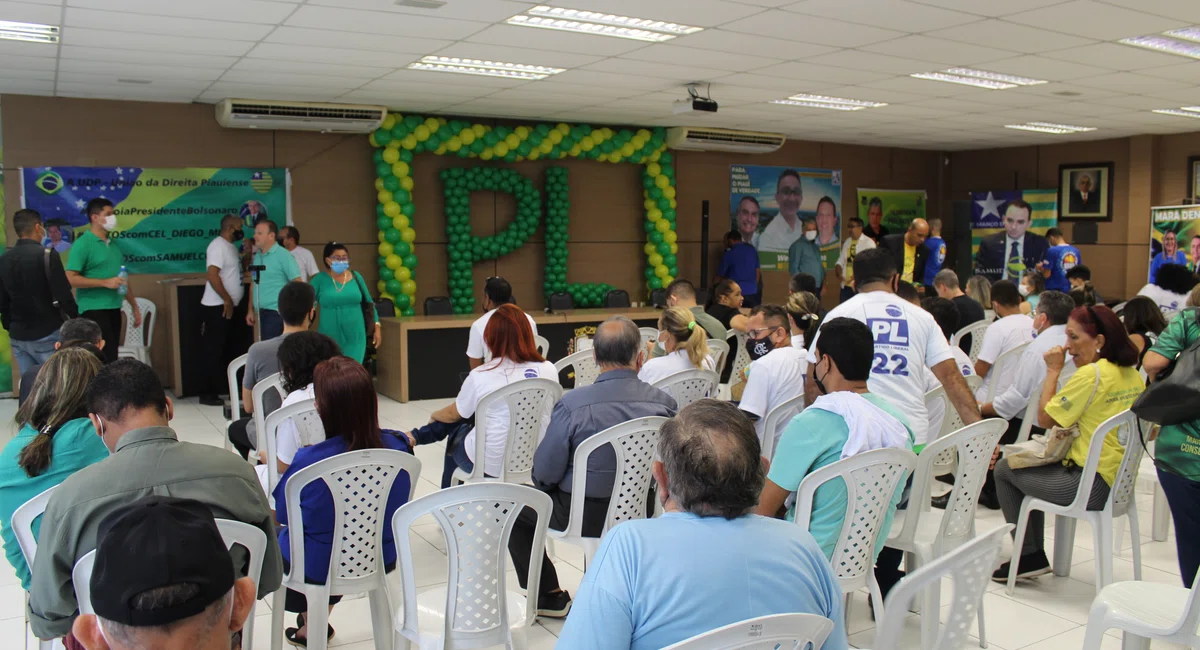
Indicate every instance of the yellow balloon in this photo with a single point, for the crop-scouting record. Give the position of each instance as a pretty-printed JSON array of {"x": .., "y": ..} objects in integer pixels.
[
  {"x": 371, "y": 139},
  {"x": 381, "y": 285},
  {"x": 479, "y": 130},
  {"x": 406, "y": 182},
  {"x": 380, "y": 236},
  {"x": 670, "y": 236},
  {"x": 385, "y": 197},
  {"x": 662, "y": 271},
  {"x": 512, "y": 141},
  {"x": 669, "y": 192},
  {"x": 400, "y": 169},
  {"x": 655, "y": 259},
  {"x": 546, "y": 146},
  {"x": 441, "y": 121},
  {"x": 667, "y": 280},
  {"x": 655, "y": 156},
  {"x": 422, "y": 133},
  {"x": 453, "y": 144},
  {"x": 378, "y": 184},
  {"x": 649, "y": 248},
  {"x": 586, "y": 143},
  {"x": 391, "y": 156},
  {"x": 654, "y": 214},
  {"x": 522, "y": 132},
  {"x": 554, "y": 137},
  {"x": 653, "y": 169},
  {"x": 575, "y": 151},
  {"x": 627, "y": 150},
  {"x": 674, "y": 204},
  {"x": 391, "y": 209},
  {"x": 467, "y": 136},
  {"x": 662, "y": 225},
  {"x": 534, "y": 155},
  {"x": 501, "y": 149},
  {"x": 408, "y": 235},
  {"x": 564, "y": 129},
  {"x": 432, "y": 123},
  {"x": 389, "y": 122},
  {"x": 400, "y": 222},
  {"x": 393, "y": 262},
  {"x": 674, "y": 247},
  {"x": 486, "y": 155},
  {"x": 385, "y": 249},
  {"x": 440, "y": 150},
  {"x": 409, "y": 141},
  {"x": 403, "y": 273},
  {"x": 643, "y": 134},
  {"x": 607, "y": 133},
  {"x": 662, "y": 182}
]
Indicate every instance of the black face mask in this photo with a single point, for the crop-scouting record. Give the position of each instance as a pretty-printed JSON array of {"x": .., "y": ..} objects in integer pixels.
[
  {"x": 817, "y": 380},
  {"x": 758, "y": 348}
]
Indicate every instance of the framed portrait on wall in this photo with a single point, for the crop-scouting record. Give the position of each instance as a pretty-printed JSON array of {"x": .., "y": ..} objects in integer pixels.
[
  {"x": 1194, "y": 179},
  {"x": 1085, "y": 191}
]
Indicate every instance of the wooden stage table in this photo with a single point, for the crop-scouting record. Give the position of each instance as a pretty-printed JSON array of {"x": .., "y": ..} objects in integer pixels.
[{"x": 425, "y": 357}]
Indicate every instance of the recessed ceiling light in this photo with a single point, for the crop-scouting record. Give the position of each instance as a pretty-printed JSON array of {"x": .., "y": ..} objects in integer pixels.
[
  {"x": 32, "y": 32},
  {"x": 601, "y": 24},
  {"x": 1187, "y": 33},
  {"x": 978, "y": 78},
  {"x": 483, "y": 68},
  {"x": 1050, "y": 127},
  {"x": 832, "y": 103},
  {"x": 1165, "y": 45},
  {"x": 1187, "y": 111},
  {"x": 832, "y": 107},
  {"x": 995, "y": 76}
]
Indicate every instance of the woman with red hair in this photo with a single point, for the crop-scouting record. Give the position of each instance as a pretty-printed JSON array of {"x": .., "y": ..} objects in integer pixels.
[{"x": 514, "y": 357}]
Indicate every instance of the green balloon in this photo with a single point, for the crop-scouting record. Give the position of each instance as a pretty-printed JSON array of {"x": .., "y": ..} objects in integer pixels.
[
  {"x": 391, "y": 183},
  {"x": 410, "y": 261},
  {"x": 656, "y": 193},
  {"x": 399, "y": 131},
  {"x": 383, "y": 222},
  {"x": 392, "y": 235},
  {"x": 386, "y": 274},
  {"x": 383, "y": 170},
  {"x": 402, "y": 302},
  {"x": 377, "y": 156},
  {"x": 663, "y": 247},
  {"x": 413, "y": 121},
  {"x": 401, "y": 248},
  {"x": 656, "y": 282},
  {"x": 406, "y": 155},
  {"x": 656, "y": 238},
  {"x": 670, "y": 260},
  {"x": 393, "y": 287}
]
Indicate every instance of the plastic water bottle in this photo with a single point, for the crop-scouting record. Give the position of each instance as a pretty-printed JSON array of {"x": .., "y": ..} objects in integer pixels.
[{"x": 124, "y": 275}]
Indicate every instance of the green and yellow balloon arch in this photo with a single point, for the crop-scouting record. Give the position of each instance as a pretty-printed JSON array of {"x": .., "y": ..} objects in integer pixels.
[{"x": 401, "y": 137}]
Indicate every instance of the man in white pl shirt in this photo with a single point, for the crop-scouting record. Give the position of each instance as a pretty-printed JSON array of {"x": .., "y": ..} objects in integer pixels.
[
  {"x": 289, "y": 236},
  {"x": 496, "y": 292},
  {"x": 222, "y": 294},
  {"x": 1010, "y": 330}
]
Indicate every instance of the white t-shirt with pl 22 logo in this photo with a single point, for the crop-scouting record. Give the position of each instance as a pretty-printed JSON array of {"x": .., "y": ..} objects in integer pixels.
[{"x": 908, "y": 343}]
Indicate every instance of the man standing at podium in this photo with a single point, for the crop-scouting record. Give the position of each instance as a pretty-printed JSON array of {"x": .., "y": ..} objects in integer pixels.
[
  {"x": 279, "y": 268},
  {"x": 222, "y": 294}
]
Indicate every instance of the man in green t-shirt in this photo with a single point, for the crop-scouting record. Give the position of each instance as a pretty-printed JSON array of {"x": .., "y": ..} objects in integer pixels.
[
  {"x": 92, "y": 269},
  {"x": 280, "y": 269}
]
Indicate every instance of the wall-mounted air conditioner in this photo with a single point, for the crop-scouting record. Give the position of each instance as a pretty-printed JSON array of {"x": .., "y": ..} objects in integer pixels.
[
  {"x": 693, "y": 138},
  {"x": 299, "y": 116}
]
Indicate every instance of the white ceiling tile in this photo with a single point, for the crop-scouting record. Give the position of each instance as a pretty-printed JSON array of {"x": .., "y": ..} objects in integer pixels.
[
  {"x": 891, "y": 14},
  {"x": 1181, "y": 72},
  {"x": 729, "y": 92},
  {"x": 934, "y": 50},
  {"x": 159, "y": 84},
  {"x": 1003, "y": 98},
  {"x": 1092, "y": 19},
  {"x": 112, "y": 21},
  {"x": 26, "y": 74},
  {"x": 715, "y": 60},
  {"x": 156, "y": 43},
  {"x": 991, "y": 7},
  {"x": 1040, "y": 67},
  {"x": 1010, "y": 36},
  {"x": 1129, "y": 82},
  {"x": 812, "y": 29},
  {"x": 916, "y": 86},
  {"x": 516, "y": 55},
  {"x": 247, "y": 11},
  {"x": 959, "y": 106},
  {"x": 680, "y": 74},
  {"x": 405, "y": 76},
  {"x": 1186, "y": 11},
  {"x": 873, "y": 94},
  {"x": 610, "y": 80},
  {"x": 477, "y": 10},
  {"x": 9, "y": 64},
  {"x": 394, "y": 101},
  {"x": 1180, "y": 97},
  {"x": 32, "y": 13},
  {"x": 341, "y": 84},
  {"x": 379, "y": 43},
  {"x": 1084, "y": 109},
  {"x": 720, "y": 40},
  {"x": 813, "y": 72},
  {"x": 782, "y": 85},
  {"x": 1138, "y": 102},
  {"x": 26, "y": 86},
  {"x": 871, "y": 62},
  {"x": 379, "y": 22},
  {"x": 327, "y": 55},
  {"x": 270, "y": 66},
  {"x": 1117, "y": 57},
  {"x": 281, "y": 93},
  {"x": 138, "y": 70},
  {"x": 23, "y": 48},
  {"x": 548, "y": 39},
  {"x": 422, "y": 90},
  {"x": 596, "y": 93},
  {"x": 701, "y": 13},
  {"x": 73, "y": 52},
  {"x": 108, "y": 92}
]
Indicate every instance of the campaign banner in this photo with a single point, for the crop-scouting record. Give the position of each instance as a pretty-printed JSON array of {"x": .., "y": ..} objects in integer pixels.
[
  {"x": 1174, "y": 237},
  {"x": 894, "y": 210},
  {"x": 769, "y": 206},
  {"x": 987, "y": 212},
  {"x": 165, "y": 217}
]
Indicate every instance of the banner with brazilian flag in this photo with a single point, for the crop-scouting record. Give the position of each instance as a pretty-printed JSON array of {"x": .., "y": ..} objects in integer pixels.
[
  {"x": 987, "y": 212},
  {"x": 165, "y": 217}
]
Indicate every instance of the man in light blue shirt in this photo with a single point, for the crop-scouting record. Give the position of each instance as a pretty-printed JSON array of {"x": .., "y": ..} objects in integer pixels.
[
  {"x": 280, "y": 269},
  {"x": 708, "y": 561}
]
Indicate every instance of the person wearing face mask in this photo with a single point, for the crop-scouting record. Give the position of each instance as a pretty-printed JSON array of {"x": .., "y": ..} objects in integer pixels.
[
  {"x": 33, "y": 288},
  {"x": 93, "y": 271},
  {"x": 342, "y": 298},
  {"x": 222, "y": 294},
  {"x": 844, "y": 420},
  {"x": 682, "y": 293},
  {"x": 686, "y": 345},
  {"x": 804, "y": 256},
  {"x": 776, "y": 371},
  {"x": 1033, "y": 283}
]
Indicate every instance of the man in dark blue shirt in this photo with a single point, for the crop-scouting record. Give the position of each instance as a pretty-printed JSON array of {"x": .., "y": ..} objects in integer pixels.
[
  {"x": 616, "y": 397},
  {"x": 740, "y": 264}
]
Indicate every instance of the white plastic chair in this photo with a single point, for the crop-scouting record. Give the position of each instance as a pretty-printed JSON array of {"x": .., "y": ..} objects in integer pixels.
[
  {"x": 22, "y": 525},
  {"x": 529, "y": 403},
  {"x": 1004, "y": 362},
  {"x": 137, "y": 339},
  {"x": 271, "y": 382},
  {"x": 584, "y": 365},
  {"x": 360, "y": 482},
  {"x": 235, "y": 396},
  {"x": 777, "y": 420},
  {"x": 474, "y": 609},
  {"x": 989, "y": 315},
  {"x": 975, "y": 330},
  {"x": 649, "y": 335},
  {"x": 741, "y": 358},
  {"x": 308, "y": 422},
  {"x": 951, "y": 421},
  {"x": 232, "y": 532},
  {"x": 634, "y": 443},
  {"x": 1145, "y": 611},
  {"x": 688, "y": 386},
  {"x": 969, "y": 567},
  {"x": 719, "y": 350},
  {"x": 543, "y": 345},
  {"x": 1120, "y": 502},
  {"x": 871, "y": 479},
  {"x": 775, "y": 632},
  {"x": 926, "y": 535}
]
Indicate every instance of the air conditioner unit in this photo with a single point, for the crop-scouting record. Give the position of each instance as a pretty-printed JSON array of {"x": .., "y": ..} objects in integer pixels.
[
  {"x": 299, "y": 116},
  {"x": 690, "y": 138}
]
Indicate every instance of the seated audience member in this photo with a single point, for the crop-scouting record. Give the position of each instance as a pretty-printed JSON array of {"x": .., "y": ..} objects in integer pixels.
[
  {"x": 56, "y": 440},
  {"x": 73, "y": 333},
  {"x": 349, "y": 411},
  {"x": 131, "y": 412},
  {"x": 707, "y": 562},
  {"x": 1050, "y": 322},
  {"x": 682, "y": 293},
  {"x": 1144, "y": 321},
  {"x": 945, "y": 283},
  {"x": 1105, "y": 384},
  {"x": 727, "y": 306},
  {"x": 1010, "y": 329},
  {"x": 496, "y": 292},
  {"x": 1031, "y": 288},
  {"x": 945, "y": 314},
  {"x": 806, "y": 282},
  {"x": 1085, "y": 297},
  {"x": 296, "y": 310},
  {"x": 510, "y": 339},
  {"x": 844, "y": 421},
  {"x": 1170, "y": 288},
  {"x": 1080, "y": 278},
  {"x": 804, "y": 316},
  {"x": 616, "y": 397},
  {"x": 739, "y": 264},
  {"x": 907, "y": 292},
  {"x": 776, "y": 371},
  {"x": 163, "y": 579},
  {"x": 1193, "y": 297},
  {"x": 686, "y": 344},
  {"x": 299, "y": 356},
  {"x": 979, "y": 289}
]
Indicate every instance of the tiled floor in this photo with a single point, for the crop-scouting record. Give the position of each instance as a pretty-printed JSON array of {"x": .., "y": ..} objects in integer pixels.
[{"x": 1046, "y": 614}]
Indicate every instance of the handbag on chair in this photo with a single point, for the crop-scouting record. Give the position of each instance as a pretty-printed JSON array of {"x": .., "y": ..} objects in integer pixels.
[
  {"x": 1051, "y": 447},
  {"x": 1175, "y": 392}
]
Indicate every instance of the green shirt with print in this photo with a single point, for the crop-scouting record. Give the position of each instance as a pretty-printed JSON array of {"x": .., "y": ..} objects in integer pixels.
[
  {"x": 1178, "y": 446},
  {"x": 281, "y": 269},
  {"x": 96, "y": 259}
]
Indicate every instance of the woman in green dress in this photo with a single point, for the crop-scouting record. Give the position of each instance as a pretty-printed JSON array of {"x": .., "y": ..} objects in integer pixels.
[{"x": 341, "y": 294}]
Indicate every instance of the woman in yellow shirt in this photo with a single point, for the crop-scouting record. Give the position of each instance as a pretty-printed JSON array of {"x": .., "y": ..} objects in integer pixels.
[{"x": 1107, "y": 377}]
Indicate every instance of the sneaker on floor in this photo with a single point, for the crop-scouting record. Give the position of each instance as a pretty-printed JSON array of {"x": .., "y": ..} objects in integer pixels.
[
  {"x": 1029, "y": 566},
  {"x": 555, "y": 605}
]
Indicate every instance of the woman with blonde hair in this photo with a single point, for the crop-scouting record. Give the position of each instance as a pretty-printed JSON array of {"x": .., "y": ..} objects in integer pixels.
[
  {"x": 979, "y": 289},
  {"x": 685, "y": 342},
  {"x": 55, "y": 441},
  {"x": 804, "y": 313}
]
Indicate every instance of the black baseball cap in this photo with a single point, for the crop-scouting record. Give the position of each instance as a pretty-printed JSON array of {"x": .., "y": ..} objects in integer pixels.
[{"x": 158, "y": 542}]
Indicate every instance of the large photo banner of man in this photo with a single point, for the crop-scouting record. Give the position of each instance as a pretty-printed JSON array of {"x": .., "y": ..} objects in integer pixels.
[
  {"x": 789, "y": 214},
  {"x": 1174, "y": 237},
  {"x": 165, "y": 217},
  {"x": 884, "y": 212},
  {"x": 1008, "y": 231}
]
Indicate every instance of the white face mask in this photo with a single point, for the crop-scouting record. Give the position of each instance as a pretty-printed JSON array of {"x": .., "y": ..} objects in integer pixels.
[
  {"x": 110, "y": 222},
  {"x": 810, "y": 235},
  {"x": 1024, "y": 289}
]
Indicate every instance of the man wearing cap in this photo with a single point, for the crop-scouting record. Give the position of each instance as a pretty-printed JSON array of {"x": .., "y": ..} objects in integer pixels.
[
  {"x": 496, "y": 292},
  {"x": 163, "y": 579},
  {"x": 131, "y": 413}
]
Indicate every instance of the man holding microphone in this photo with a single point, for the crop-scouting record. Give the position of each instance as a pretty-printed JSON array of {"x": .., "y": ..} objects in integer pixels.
[
  {"x": 94, "y": 271},
  {"x": 222, "y": 294},
  {"x": 277, "y": 268}
]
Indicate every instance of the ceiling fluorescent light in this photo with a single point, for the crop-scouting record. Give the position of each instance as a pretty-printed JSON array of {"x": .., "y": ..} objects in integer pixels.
[
  {"x": 1178, "y": 112},
  {"x": 1050, "y": 127},
  {"x": 483, "y": 68},
  {"x": 32, "y": 32},
  {"x": 807, "y": 104},
  {"x": 601, "y": 24},
  {"x": 1187, "y": 33},
  {"x": 822, "y": 99},
  {"x": 1164, "y": 44},
  {"x": 994, "y": 76},
  {"x": 966, "y": 81}
]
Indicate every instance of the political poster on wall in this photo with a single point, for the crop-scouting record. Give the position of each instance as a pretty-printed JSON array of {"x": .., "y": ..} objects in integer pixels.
[
  {"x": 1174, "y": 237},
  {"x": 884, "y": 212},
  {"x": 165, "y": 217},
  {"x": 1005, "y": 239},
  {"x": 773, "y": 207}
]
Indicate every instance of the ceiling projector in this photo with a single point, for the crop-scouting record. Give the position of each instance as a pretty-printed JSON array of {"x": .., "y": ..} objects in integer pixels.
[{"x": 694, "y": 102}]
